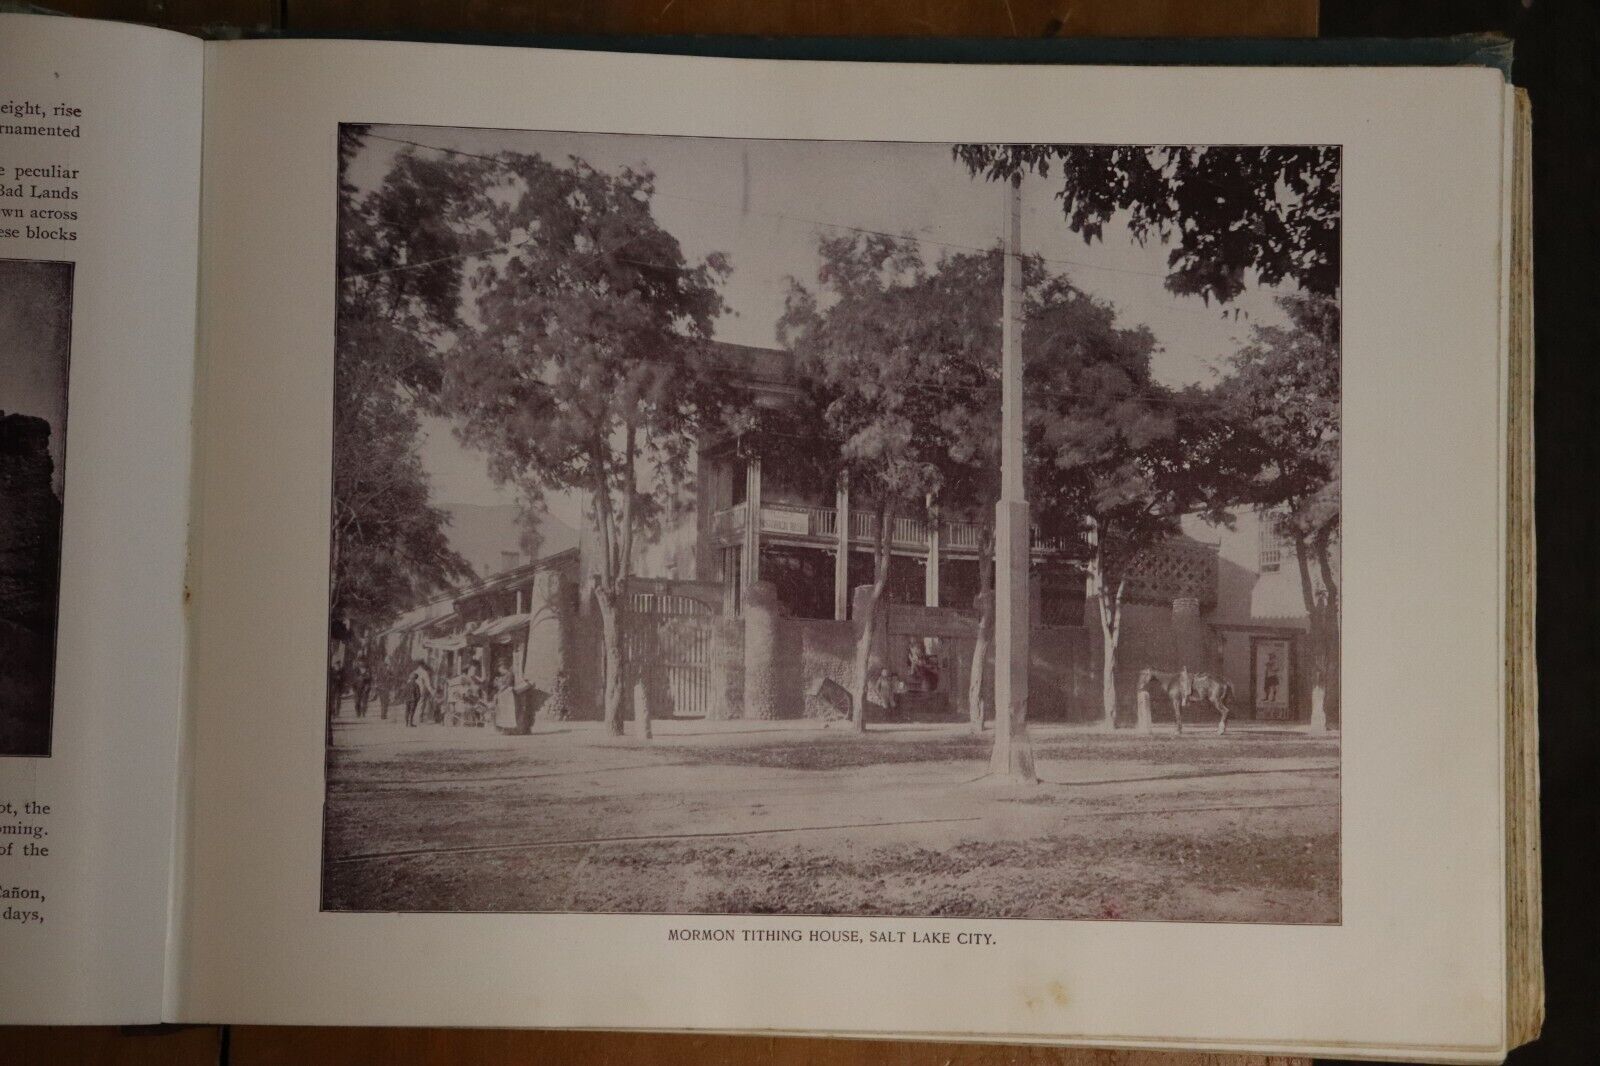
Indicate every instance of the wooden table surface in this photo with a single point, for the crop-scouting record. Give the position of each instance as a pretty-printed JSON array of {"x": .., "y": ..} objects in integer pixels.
[{"x": 292, "y": 1046}]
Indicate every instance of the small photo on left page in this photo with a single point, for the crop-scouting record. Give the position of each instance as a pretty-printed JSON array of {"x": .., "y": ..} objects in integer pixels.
[{"x": 35, "y": 347}]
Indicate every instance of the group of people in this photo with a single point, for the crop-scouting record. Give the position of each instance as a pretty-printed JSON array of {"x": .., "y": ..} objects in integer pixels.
[
  {"x": 464, "y": 698},
  {"x": 922, "y": 675}
]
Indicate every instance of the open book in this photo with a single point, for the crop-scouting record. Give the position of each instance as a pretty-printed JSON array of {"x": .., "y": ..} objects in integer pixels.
[{"x": 505, "y": 537}]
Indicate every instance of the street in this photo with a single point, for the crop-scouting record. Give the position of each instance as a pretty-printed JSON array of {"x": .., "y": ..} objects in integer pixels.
[{"x": 790, "y": 817}]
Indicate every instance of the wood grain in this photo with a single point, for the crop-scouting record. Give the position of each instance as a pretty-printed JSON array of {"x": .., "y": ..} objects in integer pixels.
[
  {"x": 823, "y": 18},
  {"x": 782, "y": 18},
  {"x": 178, "y": 14},
  {"x": 289, "y": 1046},
  {"x": 157, "y": 1045}
]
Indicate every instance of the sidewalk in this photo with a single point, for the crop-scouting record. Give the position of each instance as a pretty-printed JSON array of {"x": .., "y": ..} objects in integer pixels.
[{"x": 350, "y": 731}]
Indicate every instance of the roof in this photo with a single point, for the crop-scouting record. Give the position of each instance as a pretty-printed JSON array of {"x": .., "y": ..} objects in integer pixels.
[
  {"x": 759, "y": 366},
  {"x": 498, "y": 627},
  {"x": 518, "y": 576}
]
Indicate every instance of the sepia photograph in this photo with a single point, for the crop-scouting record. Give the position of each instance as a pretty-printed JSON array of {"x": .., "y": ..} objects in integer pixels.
[
  {"x": 911, "y": 529},
  {"x": 35, "y": 348}
]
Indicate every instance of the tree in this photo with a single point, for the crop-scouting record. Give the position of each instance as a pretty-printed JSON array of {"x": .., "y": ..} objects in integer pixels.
[
  {"x": 1114, "y": 453},
  {"x": 1285, "y": 388},
  {"x": 1226, "y": 210},
  {"x": 874, "y": 348},
  {"x": 588, "y": 365},
  {"x": 388, "y": 547},
  {"x": 910, "y": 353}
]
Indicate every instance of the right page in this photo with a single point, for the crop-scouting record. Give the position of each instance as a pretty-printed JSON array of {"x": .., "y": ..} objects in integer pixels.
[{"x": 984, "y": 553}]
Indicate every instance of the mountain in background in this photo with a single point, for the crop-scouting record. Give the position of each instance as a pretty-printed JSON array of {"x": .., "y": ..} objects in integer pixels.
[{"x": 490, "y": 537}]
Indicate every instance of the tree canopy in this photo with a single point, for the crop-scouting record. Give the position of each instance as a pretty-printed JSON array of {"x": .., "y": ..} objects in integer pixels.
[
  {"x": 389, "y": 546},
  {"x": 1285, "y": 387},
  {"x": 591, "y": 324},
  {"x": 1285, "y": 392},
  {"x": 1228, "y": 210},
  {"x": 862, "y": 347},
  {"x": 586, "y": 362}
]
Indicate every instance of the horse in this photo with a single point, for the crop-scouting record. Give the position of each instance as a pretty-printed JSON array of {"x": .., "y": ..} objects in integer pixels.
[
  {"x": 1182, "y": 686},
  {"x": 1215, "y": 691}
]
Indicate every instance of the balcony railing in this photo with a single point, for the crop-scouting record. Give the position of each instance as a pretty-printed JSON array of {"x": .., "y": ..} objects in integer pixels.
[{"x": 822, "y": 523}]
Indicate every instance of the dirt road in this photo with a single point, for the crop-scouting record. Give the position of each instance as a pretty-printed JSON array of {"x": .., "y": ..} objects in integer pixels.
[{"x": 791, "y": 819}]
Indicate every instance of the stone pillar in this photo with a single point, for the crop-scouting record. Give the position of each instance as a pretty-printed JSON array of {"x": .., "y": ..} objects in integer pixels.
[
  {"x": 1144, "y": 724},
  {"x": 727, "y": 669},
  {"x": 930, "y": 578},
  {"x": 761, "y": 651},
  {"x": 841, "y": 558},
  {"x": 1190, "y": 646},
  {"x": 1191, "y": 653}
]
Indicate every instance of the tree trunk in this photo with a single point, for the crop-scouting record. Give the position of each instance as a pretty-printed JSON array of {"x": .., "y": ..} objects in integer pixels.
[
  {"x": 1328, "y": 647},
  {"x": 977, "y": 682},
  {"x": 1108, "y": 679},
  {"x": 616, "y": 689},
  {"x": 335, "y": 683},
  {"x": 641, "y": 717},
  {"x": 871, "y": 620},
  {"x": 1109, "y": 603},
  {"x": 977, "y": 679},
  {"x": 1317, "y": 636},
  {"x": 338, "y": 677}
]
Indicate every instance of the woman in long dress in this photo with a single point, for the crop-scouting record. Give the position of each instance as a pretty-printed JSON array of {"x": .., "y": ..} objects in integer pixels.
[{"x": 505, "y": 701}]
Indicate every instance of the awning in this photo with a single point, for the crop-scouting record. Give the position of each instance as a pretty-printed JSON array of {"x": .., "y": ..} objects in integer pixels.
[
  {"x": 443, "y": 621},
  {"x": 504, "y": 628},
  {"x": 454, "y": 642}
]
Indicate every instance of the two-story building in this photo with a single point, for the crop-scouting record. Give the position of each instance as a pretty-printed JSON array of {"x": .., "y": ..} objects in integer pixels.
[{"x": 1219, "y": 598}]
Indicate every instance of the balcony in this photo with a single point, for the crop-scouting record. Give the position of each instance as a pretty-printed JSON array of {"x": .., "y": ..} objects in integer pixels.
[{"x": 821, "y": 525}]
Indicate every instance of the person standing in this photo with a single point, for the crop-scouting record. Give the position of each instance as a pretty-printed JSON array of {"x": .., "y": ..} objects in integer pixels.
[
  {"x": 418, "y": 687},
  {"x": 505, "y": 702},
  {"x": 361, "y": 687}
]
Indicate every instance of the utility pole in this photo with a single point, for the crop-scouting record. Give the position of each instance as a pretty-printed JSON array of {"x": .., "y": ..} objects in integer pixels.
[{"x": 1013, "y": 755}]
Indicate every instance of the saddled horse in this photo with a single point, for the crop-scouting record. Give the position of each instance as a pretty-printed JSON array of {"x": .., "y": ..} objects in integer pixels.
[{"x": 1182, "y": 686}]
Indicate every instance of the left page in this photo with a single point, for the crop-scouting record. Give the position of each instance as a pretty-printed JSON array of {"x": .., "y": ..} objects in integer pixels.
[{"x": 99, "y": 207}]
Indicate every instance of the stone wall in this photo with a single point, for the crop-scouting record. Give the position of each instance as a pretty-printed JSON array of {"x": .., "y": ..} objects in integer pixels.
[
  {"x": 30, "y": 524},
  {"x": 30, "y": 581}
]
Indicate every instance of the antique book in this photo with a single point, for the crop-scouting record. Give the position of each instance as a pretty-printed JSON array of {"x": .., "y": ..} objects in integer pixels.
[{"x": 497, "y": 536}]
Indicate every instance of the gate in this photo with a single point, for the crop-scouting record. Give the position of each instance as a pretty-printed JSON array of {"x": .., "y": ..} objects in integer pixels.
[{"x": 671, "y": 629}]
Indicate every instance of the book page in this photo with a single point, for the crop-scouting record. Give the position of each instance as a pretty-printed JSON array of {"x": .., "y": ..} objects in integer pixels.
[
  {"x": 980, "y": 553},
  {"x": 99, "y": 209}
]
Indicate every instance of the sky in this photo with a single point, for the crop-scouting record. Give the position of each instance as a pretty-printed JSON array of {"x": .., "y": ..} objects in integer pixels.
[
  {"x": 35, "y": 335},
  {"x": 764, "y": 204}
]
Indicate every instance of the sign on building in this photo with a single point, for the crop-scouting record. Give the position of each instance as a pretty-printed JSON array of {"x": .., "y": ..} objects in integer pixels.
[{"x": 774, "y": 521}]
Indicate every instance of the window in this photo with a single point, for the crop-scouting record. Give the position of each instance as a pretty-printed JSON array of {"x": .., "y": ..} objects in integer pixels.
[{"x": 1274, "y": 542}]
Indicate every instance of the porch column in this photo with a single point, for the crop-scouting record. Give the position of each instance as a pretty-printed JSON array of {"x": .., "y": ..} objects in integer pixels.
[
  {"x": 841, "y": 554},
  {"x": 930, "y": 576},
  {"x": 750, "y": 564}
]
